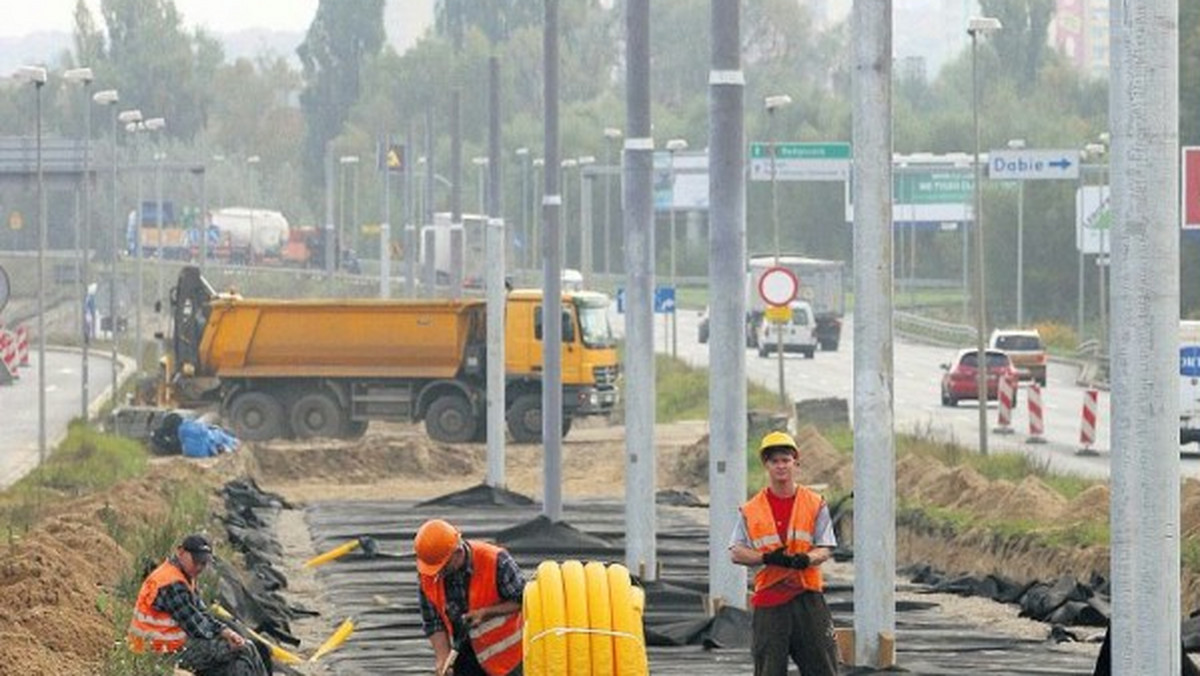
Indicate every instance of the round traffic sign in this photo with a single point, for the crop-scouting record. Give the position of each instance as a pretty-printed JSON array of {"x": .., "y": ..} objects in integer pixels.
[{"x": 778, "y": 286}]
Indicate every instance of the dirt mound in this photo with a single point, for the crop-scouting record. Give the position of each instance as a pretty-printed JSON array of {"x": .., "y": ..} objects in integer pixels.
[
  {"x": 820, "y": 462},
  {"x": 690, "y": 469},
  {"x": 1033, "y": 500},
  {"x": 954, "y": 486},
  {"x": 368, "y": 459},
  {"x": 1090, "y": 505},
  {"x": 1189, "y": 500}
]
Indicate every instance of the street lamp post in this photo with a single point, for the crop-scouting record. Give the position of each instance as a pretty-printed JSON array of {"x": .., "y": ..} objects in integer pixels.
[
  {"x": 773, "y": 103},
  {"x": 1018, "y": 144},
  {"x": 83, "y": 76},
  {"x": 566, "y": 166},
  {"x": 36, "y": 75},
  {"x": 673, "y": 146},
  {"x": 110, "y": 97},
  {"x": 349, "y": 168},
  {"x": 1104, "y": 226},
  {"x": 252, "y": 162},
  {"x": 157, "y": 124},
  {"x": 1099, "y": 150},
  {"x": 976, "y": 26},
  {"x": 585, "y": 218},
  {"x": 481, "y": 163},
  {"x": 538, "y": 164},
  {"x": 612, "y": 136},
  {"x": 133, "y": 125},
  {"x": 523, "y": 158}
]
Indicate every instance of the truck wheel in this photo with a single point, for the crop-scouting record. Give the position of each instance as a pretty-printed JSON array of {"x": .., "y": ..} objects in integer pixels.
[
  {"x": 256, "y": 416},
  {"x": 354, "y": 429},
  {"x": 317, "y": 414},
  {"x": 829, "y": 345},
  {"x": 450, "y": 420},
  {"x": 525, "y": 419},
  {"x": 809, "y": 353}
]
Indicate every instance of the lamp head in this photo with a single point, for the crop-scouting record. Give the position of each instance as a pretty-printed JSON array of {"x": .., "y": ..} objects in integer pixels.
[
  {"x": 978, "y": 25},
  {"x": 34, "y": 74},
  {"x": 612, "y": 133},
  {"x": 106, "y": 97},
  {"x": 539, "y": 161},
  {"x": 776, "y": 101},
  {"x": 677, "y": 144},
  {"x": 80, "y": 75},
  {"x": 253, "y": 159},
  {"x": 522, "y": 151},
  {"x": 569, "y": 163},
  {"x": 1094, "y": 149},
  {"x": 479, "y": 161},
  {"x": 155, "y": 124},
  {"x": 348, "y": 159},
  {"x": 586, "y": 160},
  {"x": 1016, "y": 143}
]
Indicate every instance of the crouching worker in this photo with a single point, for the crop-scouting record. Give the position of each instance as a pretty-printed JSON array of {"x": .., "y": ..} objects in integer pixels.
[
  {"x": 169, "y": 617},
  {"x": 470, "y": 598}
]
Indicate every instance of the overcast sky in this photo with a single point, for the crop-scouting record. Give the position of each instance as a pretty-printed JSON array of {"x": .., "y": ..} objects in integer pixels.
[{"x": 20, "y": 17}]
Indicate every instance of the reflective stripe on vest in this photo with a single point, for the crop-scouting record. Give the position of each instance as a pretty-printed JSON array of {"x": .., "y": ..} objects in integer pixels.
[
  {"x": 760, "y": 526},
  {"x": 496, "y": 642},
  {"x": 150, "y": 629}
]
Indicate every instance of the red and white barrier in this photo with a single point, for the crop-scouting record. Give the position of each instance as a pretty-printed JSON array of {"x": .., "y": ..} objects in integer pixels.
[
  {"x": 1036, "y": 427},
  {"x": 23, "y": 345},
  {"x": 1087, "y": 425},
  {"x": 8, "y": 354},
  {"x": 1005, "y": 391}
]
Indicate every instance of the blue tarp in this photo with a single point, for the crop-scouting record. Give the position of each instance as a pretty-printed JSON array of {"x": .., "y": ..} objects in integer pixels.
[{"x": 202, "y": 440}]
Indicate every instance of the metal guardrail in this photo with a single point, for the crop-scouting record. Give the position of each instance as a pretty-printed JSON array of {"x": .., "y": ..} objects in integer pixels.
[{"x": 915, "y": 326}]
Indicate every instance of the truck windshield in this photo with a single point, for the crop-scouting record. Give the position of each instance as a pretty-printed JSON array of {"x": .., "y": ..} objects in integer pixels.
[{"x": 593, "y": 323}]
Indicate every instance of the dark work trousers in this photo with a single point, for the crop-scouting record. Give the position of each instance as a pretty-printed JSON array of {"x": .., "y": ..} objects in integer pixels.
[
  {"x": 215, "y": 657},
  {"x": 467, "y": 665},
  {"x": 801, "y": 629}
]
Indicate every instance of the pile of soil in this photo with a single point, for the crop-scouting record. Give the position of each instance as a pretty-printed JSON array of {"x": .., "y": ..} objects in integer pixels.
[{"x": 56, "y": 582}]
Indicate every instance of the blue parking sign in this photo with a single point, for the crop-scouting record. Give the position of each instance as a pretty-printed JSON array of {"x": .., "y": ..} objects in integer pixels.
[{"x": 664, "y": 300}]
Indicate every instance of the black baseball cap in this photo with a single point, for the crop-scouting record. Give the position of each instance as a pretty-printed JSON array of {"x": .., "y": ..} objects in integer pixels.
[{"x": 199, "y": 547}]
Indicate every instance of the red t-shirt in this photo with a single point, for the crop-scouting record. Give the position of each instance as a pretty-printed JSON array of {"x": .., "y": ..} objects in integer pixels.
[{"x": 778, "y": 594}]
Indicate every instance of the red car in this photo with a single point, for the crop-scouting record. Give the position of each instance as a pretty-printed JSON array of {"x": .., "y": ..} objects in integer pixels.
[{"x": 959, "y": 381}]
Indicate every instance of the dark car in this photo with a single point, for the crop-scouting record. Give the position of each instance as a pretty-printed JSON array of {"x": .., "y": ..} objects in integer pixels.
[{"x": 959, "y": 380}]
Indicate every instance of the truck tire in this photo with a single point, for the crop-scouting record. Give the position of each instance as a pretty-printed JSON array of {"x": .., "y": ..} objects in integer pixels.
[
  {"x": 354, "y": 429},
  {"x": 525, "y": 419},
  {"x": 450, "y": 420},
  {"x": 829, "y": 345},
  {"x": 256, "y": 416},
  {"x": 317, "y": 414}
]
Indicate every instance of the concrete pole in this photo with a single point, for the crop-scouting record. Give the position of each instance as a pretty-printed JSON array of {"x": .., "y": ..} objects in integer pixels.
[
  {"x": 979, "y": 278},
  {"x": 137, "y": 246},
  {"x": 86, "y": 247},
  {"x": 551, "y": 278},
  {"x": 41, "y": 272},
  {"x": 494, "y": 245},
  {"x": 115, "y": 245},
  {"x": 1144, "y": 113},
  {"x": 329, "y": 248},
  {"x": 727, "y": 311},
  {"x": 1021, "y": 253},
  {"x": 456, "y": 222},
  {"x": 409, "y": 196},
  {"x": 640, "y": 517},
  {"x": 874, "y": 442},
  {"x": 586, "y": 268},
  {"x": 1079, "y": 239},
  {"x": 158, "y": 253},
  {"x": 385, "y": 229}
]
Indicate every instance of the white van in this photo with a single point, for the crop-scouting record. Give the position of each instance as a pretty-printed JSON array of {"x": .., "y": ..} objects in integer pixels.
[{"x": 798, "y": 331}]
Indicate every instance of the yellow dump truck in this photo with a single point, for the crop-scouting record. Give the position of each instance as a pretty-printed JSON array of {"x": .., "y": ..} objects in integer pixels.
[{"x": 324, "y": 368}]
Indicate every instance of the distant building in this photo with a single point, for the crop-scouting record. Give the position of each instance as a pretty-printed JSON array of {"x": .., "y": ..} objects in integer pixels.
[{"x": 1079, "y": 32}]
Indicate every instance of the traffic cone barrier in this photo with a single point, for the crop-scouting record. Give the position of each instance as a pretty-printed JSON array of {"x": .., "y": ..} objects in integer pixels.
[
  {"x": 1036, "y": 428},
  {"x": 8, "y": 352},
  {"x": 23, "y": 345},
  {"x": 7, "y": 375},
  {"x": 1087, "y": 425},
  {"x": 1004, "y": 395}
]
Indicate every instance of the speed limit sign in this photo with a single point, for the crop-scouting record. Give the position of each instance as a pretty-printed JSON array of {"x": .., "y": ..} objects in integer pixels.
[{"x": 778, "y": 286}]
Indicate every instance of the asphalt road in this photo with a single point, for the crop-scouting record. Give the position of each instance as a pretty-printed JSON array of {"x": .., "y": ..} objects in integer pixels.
[
  {"x": 19, "y": 406},
  {"x": 917, "y": 400}
]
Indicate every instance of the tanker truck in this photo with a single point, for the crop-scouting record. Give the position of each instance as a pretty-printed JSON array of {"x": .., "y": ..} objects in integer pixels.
[{"x": 325, "y": 368}]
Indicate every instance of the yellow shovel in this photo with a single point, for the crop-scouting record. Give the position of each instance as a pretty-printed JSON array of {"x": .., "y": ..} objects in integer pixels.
[
  {"x": 277, "y": 653},
  {"x": 337, "y": 638}
]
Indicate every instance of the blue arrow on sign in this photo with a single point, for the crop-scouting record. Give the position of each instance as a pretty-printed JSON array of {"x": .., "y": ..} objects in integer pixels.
[
  {"x": 1189, "y": 361},
  {"x": 1063, "y": 164},
  {"x": 664, "y": 300}
]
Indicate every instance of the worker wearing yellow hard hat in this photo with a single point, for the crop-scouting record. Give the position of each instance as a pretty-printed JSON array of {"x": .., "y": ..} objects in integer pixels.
[
  {"x": 785, "y": 530},
  {"x": 470, "y": 597}
]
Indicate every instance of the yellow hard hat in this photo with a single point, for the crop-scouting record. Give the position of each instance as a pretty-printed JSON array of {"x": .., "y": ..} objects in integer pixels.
[
  {"x": 777, "y": 440},
  {"x": 434, "y": 545}
]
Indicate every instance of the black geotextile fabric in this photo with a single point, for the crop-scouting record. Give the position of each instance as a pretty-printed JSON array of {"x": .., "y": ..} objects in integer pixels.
[
  {"x": 540, "y": 534},
  {"x": 481, "y": 495},
  {"x": 678, "y": 498},
  {"x": 254, "y": 598},
  {"x": 729, "y": 628}
]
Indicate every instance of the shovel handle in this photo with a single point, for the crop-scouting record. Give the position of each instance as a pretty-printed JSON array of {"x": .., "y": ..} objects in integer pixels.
[{"x": 449, "y": 663}]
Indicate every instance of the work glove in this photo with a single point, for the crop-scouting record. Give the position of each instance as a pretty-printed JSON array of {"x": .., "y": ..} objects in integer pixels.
[
  {"x": 799, "y": 561},
  {"x": 778, "y": 557}
]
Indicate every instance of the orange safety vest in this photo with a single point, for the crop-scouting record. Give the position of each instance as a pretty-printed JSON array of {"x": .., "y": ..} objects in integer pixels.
[
  {"x": 497, "y": 641},
  {"x": 151, "y": 629},
  {"x": 760, "y": 525}
]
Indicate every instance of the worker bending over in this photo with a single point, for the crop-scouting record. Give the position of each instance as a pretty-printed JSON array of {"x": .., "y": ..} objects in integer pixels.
[
  {"x": 786, "y": 529},
  {"x": 169, "y": 617},
  {"x": 470, "y": 595}
]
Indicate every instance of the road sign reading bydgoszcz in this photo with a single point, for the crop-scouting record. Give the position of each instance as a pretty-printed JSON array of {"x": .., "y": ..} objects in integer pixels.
[
  {"x": 1032, "y": 165},
  {"x": 801, "y": 161},
  {"x": 778, "y": 286}
]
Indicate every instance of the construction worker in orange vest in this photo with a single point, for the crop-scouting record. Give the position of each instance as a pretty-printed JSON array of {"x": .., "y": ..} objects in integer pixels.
[
  {"x": 786, "y": 529},
  {"x": 470, "y": 596},
  {"x": 169, "y": 617}
]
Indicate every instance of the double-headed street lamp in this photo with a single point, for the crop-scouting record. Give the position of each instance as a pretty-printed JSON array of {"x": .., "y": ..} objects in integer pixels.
[
  {"x": 977, "y": 26},
  {"x": 36, "y": 75},
  {"x": 110, "y": 98},
  {"x": 612, "y": 136},
  {"x": 773, "y": 103},
  {"x": 83, "y": 77},
  {"x": 674, "y": 145}
]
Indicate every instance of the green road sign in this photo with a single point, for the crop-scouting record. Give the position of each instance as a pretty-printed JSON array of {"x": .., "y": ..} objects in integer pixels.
[
  {"x": 801, "y": 161},
  {"x": 933, "y": 186}
]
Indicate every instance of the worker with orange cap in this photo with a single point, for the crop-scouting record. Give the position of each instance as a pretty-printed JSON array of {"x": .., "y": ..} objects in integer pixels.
[
  {"x": 470, "y": 596},
  {"x": 785, "y": 528}
]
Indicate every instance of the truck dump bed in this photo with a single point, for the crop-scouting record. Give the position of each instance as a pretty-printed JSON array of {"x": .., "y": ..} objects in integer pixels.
[{"x": 346, "y": 339}]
